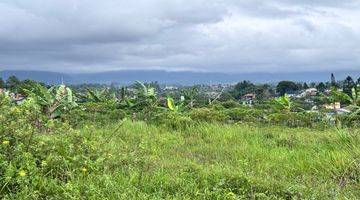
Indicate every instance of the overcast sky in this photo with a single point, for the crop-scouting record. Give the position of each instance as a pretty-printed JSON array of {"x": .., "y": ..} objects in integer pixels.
[{"x": 199, "y": 35}]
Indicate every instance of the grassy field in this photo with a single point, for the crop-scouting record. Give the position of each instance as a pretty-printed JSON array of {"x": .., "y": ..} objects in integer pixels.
[{"x": 133, "y": 160}]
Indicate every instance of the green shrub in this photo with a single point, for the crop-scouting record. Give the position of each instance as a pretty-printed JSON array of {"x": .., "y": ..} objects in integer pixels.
[
  {"x": 99, "y": 113},
  {"x": 349, "y": 120},
  {"x": 230, "y": 104},
  {"x": 293, "y": 119},
  {"x": 208, "y": 115},
  {"x": 42, "y": 166},
  {"x": 176, "y": 121},
  {"x": 245, "y": 115}
]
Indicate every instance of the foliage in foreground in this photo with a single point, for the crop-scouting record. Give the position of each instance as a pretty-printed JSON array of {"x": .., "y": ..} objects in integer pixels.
[
  {"x": 207, "y": 161},
  {"x": 52, "y": 147}
]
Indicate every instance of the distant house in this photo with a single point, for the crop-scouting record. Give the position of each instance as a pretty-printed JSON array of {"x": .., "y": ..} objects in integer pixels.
[
  {"x": 2, "y": 90},
  {"x": 170, "y": 88},
  {"x": 311, "y": 91},
  {"x": 332, "y": 106},
  {"x": 342, "y": 111},
  {"x": 213, "y": 95},
  {"x": 17, "y": 98},
  {"x": 249, "y": 98},
  {"x": 307, "y": 92}
]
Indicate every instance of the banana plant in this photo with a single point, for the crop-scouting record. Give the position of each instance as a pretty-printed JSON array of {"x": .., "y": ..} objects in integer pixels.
[
  {"x": 283, "y": 103},
  {"x": 125, "y": 100},
  {"x": 54, "y": 101},
  {"x": 190, "y": 94},
  {"x": 353, "y": 99},
  {"x": 145, "y": 96},
  {"x": 98, "y": 96},
  {"x": 171, "y": 104},
  {"x": 143, "y": 91}
]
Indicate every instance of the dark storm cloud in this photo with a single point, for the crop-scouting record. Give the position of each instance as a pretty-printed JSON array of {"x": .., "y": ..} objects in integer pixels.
[{"x": 212, "y": 35}]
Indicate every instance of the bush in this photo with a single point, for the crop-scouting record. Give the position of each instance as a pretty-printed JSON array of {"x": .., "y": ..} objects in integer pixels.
[
  {"x": 176, "y": 121},
  {"x": 28, "y": 161},
  {"x": 349, "y": 120},
  {"x": 42, "y": 166},
  {"x": 230, "y": 104},
  {"x": 246, "y": 115},
  {"x": 293, "y": 119},
  {"x": 99, "y": 113},
  {"x": 208, "y": 115}
]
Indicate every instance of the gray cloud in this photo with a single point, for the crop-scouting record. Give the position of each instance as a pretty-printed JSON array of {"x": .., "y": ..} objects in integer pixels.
[{"x": 212, "y": 35}]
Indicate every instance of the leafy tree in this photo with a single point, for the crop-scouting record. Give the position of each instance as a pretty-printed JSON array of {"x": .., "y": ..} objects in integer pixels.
[
  {"x": 348, "y": 85},
  {"x": 333, "y": 81},
  {"x": 190, "y": 95},
  {"x": 284, "y": 87},
  {"x": 243, "y": 88},
  {"x": 226, "y": 96},
  {"x": 13, "y": 83},
  {"x": 321, "y": 87},
  {"x": 2, "y": 83},
  {"x": 358, "y": 82},
  {"x": 305, "y": 86},
  {"x": 262, "y": 92},
  {"x": 27, "y": 85}
]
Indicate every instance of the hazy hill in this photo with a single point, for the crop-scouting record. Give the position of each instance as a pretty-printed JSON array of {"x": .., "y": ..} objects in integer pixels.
[
  {"x": 43, "y": 76},
  {"x": 186, "y": 78}
]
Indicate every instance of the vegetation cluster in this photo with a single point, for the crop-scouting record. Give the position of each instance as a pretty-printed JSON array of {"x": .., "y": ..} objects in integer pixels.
[{"x": 246, "y": 141}]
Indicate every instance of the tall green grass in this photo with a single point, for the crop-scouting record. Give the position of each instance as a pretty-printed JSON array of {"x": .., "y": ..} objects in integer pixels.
[{"x": 133, "y": 160}]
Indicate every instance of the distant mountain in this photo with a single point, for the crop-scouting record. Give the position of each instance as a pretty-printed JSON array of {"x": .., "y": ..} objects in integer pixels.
[
  {"x": 42, "y": 76},
  {"x": 184, "y": 78}
]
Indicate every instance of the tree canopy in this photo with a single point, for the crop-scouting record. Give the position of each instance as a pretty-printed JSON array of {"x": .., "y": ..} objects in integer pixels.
[
  {"x": 321, "y": 87},
  {"x": 284, "y": 87},
  {"x": 13, "y": 83},
  {"x": 348, "y": 85},
  {"x": 2, "y": 83},
  {"x": 243, "y": 88}
]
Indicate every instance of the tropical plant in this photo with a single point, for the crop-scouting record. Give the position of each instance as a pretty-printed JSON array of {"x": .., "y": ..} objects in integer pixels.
[
  {"x": 97, "y": 96},
  {"x": 125, "y": 100},
  {"x": 13, "y": 83},
  {"x": 54, "y": 101},
  {"x": 171, "y": 104},
  {"x": 2, "y": 83},
  {"x": 144, "y": 91},
  {"x": 145, "y": 96},
  {"x": 348, "y": 85},
  {"x": 283, "y": 103},
  {"x": 190, "y": 94},
  {"x": 353, "y": 99}
]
